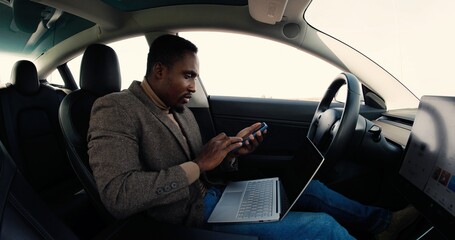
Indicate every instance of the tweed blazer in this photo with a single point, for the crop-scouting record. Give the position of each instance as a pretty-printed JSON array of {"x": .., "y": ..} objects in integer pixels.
[{"x": 135, "y": 151}]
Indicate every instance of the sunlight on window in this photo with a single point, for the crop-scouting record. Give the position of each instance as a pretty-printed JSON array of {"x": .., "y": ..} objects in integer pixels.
[
  {"x": 8, "y": 61},
  {"x": 247, "y": 66},
  {"x": 237, "y": 65},
  {"x": 75, "y": 66},
  {"x": 132, "y": 55}
]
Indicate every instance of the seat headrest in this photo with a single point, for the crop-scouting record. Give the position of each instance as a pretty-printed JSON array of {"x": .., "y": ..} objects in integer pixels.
[
  {"x": 100, "y": 70},
  {"x": 24, "y": 77}
]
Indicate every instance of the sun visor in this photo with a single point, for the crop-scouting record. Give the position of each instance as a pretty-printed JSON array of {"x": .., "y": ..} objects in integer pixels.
[{"x": 267, "y": 11}]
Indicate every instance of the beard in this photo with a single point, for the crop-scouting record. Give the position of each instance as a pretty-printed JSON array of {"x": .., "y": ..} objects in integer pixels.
[{"x": 178, "y": 108}]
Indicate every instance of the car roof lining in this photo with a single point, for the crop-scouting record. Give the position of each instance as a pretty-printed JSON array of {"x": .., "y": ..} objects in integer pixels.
[
  {"x": 135, "y": 5},
  {"x": 29, "y": 28}
]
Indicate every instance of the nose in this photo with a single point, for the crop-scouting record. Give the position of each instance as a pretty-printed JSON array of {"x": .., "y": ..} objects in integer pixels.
[{"x": 192, "y": 86}]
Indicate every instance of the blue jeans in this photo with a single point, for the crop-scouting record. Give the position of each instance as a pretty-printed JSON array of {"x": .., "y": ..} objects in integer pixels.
[
  {"x": 349, "y": 213},
  {"x": 324, "y": 210}
]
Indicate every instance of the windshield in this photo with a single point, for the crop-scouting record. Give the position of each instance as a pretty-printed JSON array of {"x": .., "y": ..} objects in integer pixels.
[{"x": 411, "y": 39}]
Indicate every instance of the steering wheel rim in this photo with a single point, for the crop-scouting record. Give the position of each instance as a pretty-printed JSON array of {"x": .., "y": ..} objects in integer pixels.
[{"x": 331, "y": 128}]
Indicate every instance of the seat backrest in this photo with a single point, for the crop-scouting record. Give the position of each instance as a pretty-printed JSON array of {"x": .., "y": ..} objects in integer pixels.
[
  {"x": 32, "y": 134},
  {"x": 23, "y": 215},
  {"x": 100, "y": 75}
]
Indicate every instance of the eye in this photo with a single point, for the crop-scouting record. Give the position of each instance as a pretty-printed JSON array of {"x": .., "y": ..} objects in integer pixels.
[{"x": 190, "y": 75}]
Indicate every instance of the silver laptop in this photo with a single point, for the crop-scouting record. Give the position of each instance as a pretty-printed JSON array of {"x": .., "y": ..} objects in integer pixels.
[{"x": 269, "y": 199}]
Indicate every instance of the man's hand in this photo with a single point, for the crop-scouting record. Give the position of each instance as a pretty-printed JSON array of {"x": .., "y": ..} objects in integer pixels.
[
  {"x": 253, "y": 142},
  {"x": 216, "y": 150}
]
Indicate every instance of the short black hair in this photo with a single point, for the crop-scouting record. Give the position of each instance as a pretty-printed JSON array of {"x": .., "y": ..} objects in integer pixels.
[{"x": 167, "y": 49}]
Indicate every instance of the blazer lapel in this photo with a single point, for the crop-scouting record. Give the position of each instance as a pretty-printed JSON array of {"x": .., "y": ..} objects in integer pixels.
[
  {"x": 191, "y": 133},
  {"x": 137, "y": 91}
]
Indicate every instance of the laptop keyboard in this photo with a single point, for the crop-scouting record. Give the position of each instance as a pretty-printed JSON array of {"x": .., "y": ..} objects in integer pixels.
[{"x": 257, "y": 201}]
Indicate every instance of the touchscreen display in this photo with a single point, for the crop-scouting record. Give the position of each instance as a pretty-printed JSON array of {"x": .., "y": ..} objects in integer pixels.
[{"x": 429, "y": 163}]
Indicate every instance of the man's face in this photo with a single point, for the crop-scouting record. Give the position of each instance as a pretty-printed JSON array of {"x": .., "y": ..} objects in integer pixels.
[{"x": 176, "y": 83}]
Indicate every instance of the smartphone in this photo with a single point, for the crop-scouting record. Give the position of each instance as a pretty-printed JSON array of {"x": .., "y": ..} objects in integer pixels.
[{"x": 262, "y": 128}]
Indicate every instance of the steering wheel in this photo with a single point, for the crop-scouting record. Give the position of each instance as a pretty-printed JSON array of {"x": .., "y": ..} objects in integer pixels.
[{"x": 331, "y": 128}]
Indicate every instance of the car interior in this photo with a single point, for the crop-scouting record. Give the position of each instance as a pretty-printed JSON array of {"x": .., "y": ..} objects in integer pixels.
[{"x": 47, "y": 187}]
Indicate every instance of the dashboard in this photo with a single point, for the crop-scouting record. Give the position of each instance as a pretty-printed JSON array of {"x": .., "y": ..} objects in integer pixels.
[
  {"x": 397, "y": 125},
  {"x": 426, "y": 175}
]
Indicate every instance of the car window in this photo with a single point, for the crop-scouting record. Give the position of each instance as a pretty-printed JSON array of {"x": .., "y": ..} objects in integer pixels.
[
  {"x": 8, "y": 60},
  {"x": 56, "y": 79},
  {"x": 236, "y": 65},
  {"x": 132, "y": 55},
  {"x": 241, "y": 65}
]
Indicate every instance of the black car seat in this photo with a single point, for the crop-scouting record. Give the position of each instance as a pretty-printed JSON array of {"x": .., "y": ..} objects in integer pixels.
[
  {"x": 100, "y": 75},
  {"x": 31, "y": 133},
  {"x": 23, "y": 215}
]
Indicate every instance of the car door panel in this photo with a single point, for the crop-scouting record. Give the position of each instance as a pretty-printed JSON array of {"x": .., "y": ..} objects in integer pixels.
[{"x": 288, "y": 121}]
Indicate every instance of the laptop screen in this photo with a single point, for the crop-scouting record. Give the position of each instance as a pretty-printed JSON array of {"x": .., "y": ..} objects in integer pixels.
[
  {"x": 299, "y": 172},
  {"x": 427, "y": 173}
]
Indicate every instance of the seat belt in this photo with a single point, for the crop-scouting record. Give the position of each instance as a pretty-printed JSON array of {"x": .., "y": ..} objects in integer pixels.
[{"x": 7, "y": 173}]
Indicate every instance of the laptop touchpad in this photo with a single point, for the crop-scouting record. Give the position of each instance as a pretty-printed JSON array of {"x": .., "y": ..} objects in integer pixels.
[{"x": 231, "y": 199}]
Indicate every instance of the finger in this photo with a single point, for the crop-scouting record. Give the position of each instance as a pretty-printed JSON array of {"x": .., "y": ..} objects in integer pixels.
[
  {"x": 259, "y": 135},
  {"x": 224, "y": 140},
  {"x": 254, "y": 142},
  {"x": 234, "y": 145},
  {"x": 249, "y": 130},
  {"x": 224, "y": 136},
  {"x": 254, "y": 127},
  {"x": 233, "y": 140},
  {"x": 220, "y": 136}
]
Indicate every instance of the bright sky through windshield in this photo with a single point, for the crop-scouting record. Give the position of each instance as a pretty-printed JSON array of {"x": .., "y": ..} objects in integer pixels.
[{"x": 412, "y": 39}]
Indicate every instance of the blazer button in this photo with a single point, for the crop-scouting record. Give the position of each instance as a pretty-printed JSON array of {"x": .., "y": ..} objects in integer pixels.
[
  {"x": 174, "y": 185},
  {"x": 159, "y": 191},
  {"x": 167, "y": 188}
]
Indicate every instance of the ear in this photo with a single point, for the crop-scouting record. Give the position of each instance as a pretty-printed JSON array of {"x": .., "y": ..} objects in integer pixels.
[{"x": 159, "y": 70}]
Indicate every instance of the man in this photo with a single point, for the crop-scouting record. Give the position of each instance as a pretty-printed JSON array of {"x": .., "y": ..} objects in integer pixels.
[{"x": 146, "y": 154}]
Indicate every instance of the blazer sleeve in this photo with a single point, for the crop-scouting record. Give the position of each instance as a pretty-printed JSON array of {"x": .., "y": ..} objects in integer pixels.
[{"x": 113, "y": 148}]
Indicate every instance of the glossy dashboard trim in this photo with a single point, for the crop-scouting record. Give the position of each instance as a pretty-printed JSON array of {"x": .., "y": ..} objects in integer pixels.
[{"x": 398, "y": 133}]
